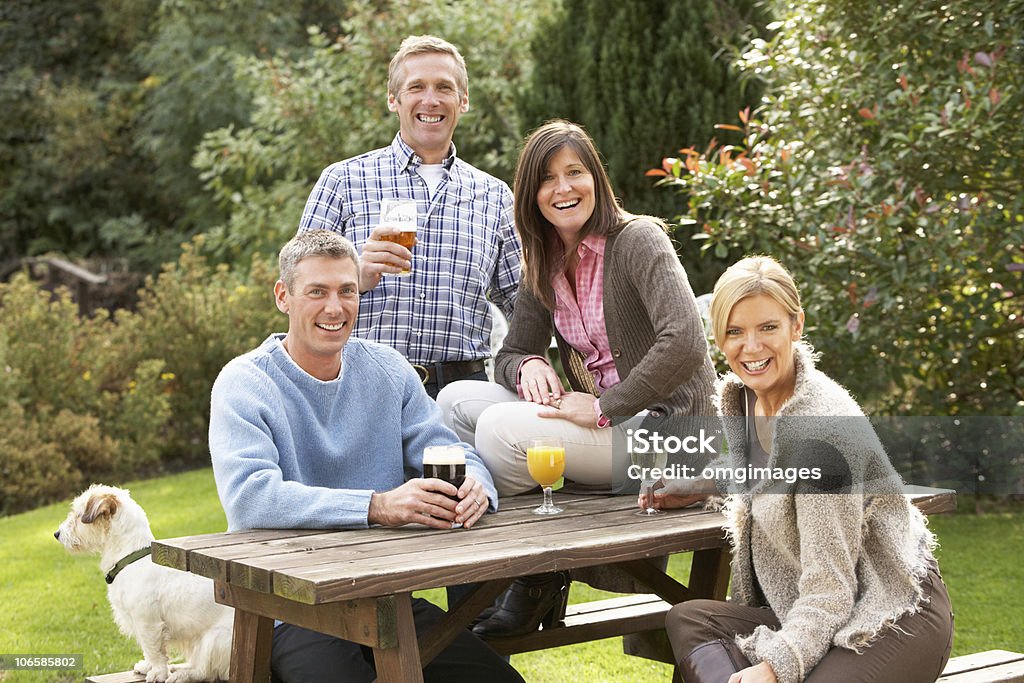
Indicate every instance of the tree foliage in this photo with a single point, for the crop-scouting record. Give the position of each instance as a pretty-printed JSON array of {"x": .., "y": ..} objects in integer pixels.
[
  {"x": 66, "y": 90},
  {"x": 88, "y": 399},
  {"x": 642, "y": 76},
  {"x": 329, "y": 102},
  {"x": 104, "y": 103},
  {"x": 884, "y": 170}
]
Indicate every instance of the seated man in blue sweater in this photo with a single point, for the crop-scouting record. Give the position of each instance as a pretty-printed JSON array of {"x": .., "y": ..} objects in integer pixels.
[{"x": 316, "y": 430}]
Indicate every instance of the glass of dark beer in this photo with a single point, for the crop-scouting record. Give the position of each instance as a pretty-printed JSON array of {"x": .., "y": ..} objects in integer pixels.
[{"x": 447, "y": 463}]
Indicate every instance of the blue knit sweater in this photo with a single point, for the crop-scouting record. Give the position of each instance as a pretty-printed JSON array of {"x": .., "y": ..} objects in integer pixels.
[{"x": 292, "y": 451}]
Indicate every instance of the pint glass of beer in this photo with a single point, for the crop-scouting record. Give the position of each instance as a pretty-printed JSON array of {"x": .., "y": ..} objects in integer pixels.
[
  {"x": 401, "y": 214},
  {"x": 447, "y": 463}
]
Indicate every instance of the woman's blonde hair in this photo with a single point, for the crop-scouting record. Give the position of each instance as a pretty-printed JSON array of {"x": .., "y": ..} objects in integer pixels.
[{"x": 752, "y": 276}]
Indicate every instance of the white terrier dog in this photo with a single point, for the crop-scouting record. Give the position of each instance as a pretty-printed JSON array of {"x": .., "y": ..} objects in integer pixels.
[{"x": 156, "y": 605}]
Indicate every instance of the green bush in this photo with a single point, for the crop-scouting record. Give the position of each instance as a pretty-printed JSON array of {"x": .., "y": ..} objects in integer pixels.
[
  {"x": 328, "y": 101},
  {"x": 643, "y": 76},
  {"x": 33, "y": 469},
  {"x": 73, "y": 409},
  {"x": 884, "y": 170},
  {"x": 195, "y": 317},
  {"x": 102, "y": 398}
]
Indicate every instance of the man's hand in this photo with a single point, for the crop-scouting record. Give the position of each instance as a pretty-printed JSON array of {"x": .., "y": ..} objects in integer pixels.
[
  {"x": 759, "y": 673},
  {"x": 576, "y": 407},
  {"x": 380, "y": 256},
  {"x": 474, "y": 503},
  {"x": 423, "y": 501},
  {"x": 539, "y": 382}
]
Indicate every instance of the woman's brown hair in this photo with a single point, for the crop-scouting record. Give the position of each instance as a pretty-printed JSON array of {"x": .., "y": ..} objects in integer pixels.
[{"x": 542, "y": 250}]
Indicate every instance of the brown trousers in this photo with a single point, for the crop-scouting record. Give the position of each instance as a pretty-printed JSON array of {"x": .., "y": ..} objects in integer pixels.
[{"x": 915, "y": 652}]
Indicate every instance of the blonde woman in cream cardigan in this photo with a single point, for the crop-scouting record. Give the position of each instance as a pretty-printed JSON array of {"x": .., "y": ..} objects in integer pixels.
[{"x": 831, "y": 581}]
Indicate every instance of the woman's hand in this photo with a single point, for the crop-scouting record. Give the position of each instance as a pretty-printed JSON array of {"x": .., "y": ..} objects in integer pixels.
[
  {"x": 678, "y": 493},
  {"x": 759, "y": 673},
  {"x": 539, "y": 382},
  {"x": 576, "y": 407}
]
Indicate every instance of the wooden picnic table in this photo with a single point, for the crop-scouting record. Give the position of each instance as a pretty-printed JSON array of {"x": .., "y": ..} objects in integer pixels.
[{"x": 357, "y": 584}]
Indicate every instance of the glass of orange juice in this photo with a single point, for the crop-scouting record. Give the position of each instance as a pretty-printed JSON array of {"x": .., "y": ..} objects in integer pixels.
[{"x": 545, "y": 459}]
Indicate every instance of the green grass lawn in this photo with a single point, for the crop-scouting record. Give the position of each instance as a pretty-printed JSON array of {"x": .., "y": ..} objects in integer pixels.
[{"x": 56, "y": 603}]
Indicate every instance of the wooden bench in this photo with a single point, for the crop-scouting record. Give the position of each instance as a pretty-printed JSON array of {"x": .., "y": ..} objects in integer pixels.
[
  {"x": 993, "y": 666},
  {"x": 592, "y": 621},
  {"x": 583, "y": 622},
  {"x": 123, "y": 677}
]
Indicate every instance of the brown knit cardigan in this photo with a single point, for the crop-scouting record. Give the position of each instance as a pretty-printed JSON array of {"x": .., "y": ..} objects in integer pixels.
[{"x": 654, "y": 329}]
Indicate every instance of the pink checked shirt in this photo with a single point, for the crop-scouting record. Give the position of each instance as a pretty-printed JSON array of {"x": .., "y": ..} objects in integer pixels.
[{"x": 580, "y": 318}]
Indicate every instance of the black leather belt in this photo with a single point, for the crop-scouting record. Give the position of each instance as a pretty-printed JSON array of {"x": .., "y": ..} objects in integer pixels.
[{"x": 445, "y": 373}]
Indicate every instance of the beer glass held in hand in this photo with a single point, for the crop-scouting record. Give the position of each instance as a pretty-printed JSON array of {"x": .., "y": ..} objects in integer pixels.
[
  {"x": 545, "y": 460},
  {"x": 400, "y": 214},
  {"x": 447, "y": 463}
]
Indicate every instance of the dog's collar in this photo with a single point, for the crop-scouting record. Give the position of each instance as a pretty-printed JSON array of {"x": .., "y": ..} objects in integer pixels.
[{"x": 125, "y": 561}]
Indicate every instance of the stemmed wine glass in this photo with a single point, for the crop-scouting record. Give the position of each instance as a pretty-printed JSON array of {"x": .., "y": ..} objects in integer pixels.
[
  {"x": 545, "y": 459},
  {"x": 650, "y": 459}
]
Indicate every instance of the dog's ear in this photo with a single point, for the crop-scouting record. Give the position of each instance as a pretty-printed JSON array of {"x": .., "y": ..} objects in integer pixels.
[{"x": 104, "y": 505}]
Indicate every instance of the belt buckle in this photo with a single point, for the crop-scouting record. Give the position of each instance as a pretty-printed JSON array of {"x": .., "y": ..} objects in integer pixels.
[{"x": 421, "y": 371}]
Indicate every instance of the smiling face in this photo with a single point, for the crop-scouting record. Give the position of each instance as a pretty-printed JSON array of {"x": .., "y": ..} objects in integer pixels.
[
  {"x": 429, "y": 104},
  {"x": 322, "y": 307},
  {"x": 566, "y": 194},
  {"x": 758, "y": 345}
]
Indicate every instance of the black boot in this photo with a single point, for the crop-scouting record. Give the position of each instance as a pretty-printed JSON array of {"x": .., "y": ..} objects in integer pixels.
[
  {"x": 530, "y": 601},
  {"x": 487, "y": 612}
]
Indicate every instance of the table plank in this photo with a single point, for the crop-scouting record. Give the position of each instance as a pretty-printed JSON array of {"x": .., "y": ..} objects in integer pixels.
[
  {"x": 318, "y": 566},
  {"x": 600, "y": 542},
  {"x": 209, "y": 555},
  {"x": 368, "y": 621},
  {"x": 174, "y": 552},
  {"x": 533, "y": 547},
  {"x": 255, "y": 570}
]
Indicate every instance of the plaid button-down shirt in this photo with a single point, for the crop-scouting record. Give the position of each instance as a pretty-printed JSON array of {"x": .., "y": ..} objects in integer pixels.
[{"x": 467, "y": 250}]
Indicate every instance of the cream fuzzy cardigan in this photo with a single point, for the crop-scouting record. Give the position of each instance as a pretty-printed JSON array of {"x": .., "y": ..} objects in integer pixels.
[{"x": 836, "y": 568}]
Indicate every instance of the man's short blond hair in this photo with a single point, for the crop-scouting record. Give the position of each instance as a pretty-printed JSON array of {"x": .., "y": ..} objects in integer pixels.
[
  {"x": 422, "y": 45},
  {"x": 751, "y": 276}
]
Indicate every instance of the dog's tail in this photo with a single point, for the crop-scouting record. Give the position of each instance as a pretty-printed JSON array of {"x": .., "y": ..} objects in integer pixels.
[{"x": 211, "y": 654}]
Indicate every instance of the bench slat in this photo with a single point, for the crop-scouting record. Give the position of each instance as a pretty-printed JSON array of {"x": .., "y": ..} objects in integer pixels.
[
  {"x": 993, "y": 666},
  {"x": 1006, "y": 673},
  {"x": 630, "y": 615},
  {"x": 122, "y": 677},
  {"x": 606, "y": 604},
  {"x": 980, "y": 660}
]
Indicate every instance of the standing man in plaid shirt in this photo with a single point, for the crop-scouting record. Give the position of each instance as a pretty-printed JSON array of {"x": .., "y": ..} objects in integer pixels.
[{"x": 467, "y": 250}]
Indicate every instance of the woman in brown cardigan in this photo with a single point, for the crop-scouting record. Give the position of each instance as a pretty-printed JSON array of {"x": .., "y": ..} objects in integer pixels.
[{"x": 610, "y": 287}]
